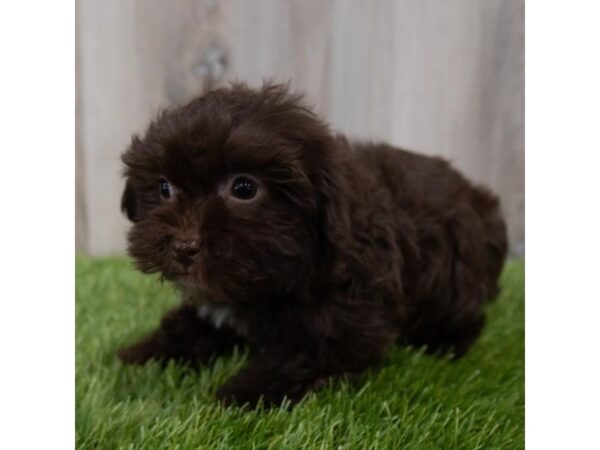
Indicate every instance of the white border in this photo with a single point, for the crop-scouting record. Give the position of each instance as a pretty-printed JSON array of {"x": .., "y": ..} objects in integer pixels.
[
  {"x": 563, "y": 224},
  {"x": 37, "y": 224}
]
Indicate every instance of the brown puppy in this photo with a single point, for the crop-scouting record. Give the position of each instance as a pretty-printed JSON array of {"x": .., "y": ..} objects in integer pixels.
[{"x": 317, "y": 252}]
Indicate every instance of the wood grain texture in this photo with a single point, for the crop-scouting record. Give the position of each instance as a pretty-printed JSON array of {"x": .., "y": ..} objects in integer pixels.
[{"x": 440, "y": 77}]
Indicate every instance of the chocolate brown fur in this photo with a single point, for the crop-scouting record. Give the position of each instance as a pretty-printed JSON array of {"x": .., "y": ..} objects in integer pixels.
[{"x": 349, "y": 248}]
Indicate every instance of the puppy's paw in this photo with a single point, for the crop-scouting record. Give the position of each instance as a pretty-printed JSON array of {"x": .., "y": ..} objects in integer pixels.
[
  {"x": 238, "y": 394},
  {"x": 139, "y": 353},
  {"x": 231, "y": 395}
]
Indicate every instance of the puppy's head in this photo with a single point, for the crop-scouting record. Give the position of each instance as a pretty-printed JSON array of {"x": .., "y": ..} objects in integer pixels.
[{"x": 238, "y": 193}]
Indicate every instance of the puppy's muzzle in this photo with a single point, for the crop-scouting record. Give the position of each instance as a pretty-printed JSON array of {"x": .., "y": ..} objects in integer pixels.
[{"x": 185, "y": 250}]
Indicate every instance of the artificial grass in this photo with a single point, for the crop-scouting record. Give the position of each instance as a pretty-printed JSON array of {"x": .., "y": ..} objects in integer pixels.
[{"x": 414, "y": 401}]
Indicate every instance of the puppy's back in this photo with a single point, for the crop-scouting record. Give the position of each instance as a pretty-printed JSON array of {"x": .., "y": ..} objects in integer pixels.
[{"x": 459, "y": 232}]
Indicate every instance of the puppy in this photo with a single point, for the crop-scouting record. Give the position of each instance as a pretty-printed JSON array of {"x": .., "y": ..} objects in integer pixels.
[{"x": 316, "y": 252}]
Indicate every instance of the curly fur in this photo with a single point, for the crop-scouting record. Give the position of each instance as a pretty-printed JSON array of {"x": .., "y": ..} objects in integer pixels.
[{"x": 350, "y": 248}]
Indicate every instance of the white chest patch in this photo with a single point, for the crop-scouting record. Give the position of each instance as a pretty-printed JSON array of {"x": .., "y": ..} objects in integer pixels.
[{"x": 221, "y": 316}]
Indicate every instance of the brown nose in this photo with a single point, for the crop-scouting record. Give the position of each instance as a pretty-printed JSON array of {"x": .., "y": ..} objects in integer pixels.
[{"x": 185, "y": 249}]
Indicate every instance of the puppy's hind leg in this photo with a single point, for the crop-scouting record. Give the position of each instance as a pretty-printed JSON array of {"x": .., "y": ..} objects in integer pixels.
[
  {"x": 479, "y": 250},
  {"x": 458, "y": 337},
  {"x": 182, "y": 336}
]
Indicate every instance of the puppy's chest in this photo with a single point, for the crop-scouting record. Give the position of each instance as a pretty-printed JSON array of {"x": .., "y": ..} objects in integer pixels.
[{"x": 222, "y": 317}]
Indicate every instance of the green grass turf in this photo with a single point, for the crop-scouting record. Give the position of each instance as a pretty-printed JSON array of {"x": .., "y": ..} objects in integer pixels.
[{"x": 413, "y": 401}]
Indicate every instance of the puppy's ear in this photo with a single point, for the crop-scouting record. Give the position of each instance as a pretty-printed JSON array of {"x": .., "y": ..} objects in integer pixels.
[
  {"x": 129, "y": 203},
  {"x": 335, "y": 214}
]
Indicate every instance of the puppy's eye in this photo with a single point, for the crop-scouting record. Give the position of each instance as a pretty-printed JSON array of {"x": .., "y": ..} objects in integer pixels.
[
  {"x": 244, "y": 188},
  {"x": 165, "y": 189}
]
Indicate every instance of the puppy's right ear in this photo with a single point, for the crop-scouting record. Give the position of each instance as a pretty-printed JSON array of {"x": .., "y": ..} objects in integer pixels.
[{"x": 129, "y": 203}]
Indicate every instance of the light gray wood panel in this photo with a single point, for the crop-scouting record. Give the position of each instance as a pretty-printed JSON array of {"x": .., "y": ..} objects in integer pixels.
[
  {"x": 81, "y": 222},
  {"x": 435, "y": 76}
]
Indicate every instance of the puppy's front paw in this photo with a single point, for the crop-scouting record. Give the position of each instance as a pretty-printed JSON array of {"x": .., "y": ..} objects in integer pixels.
[
  {"x": 141, "y": 352},
  {"x": 230, "y": 394},
  {"x": 238, "y": 392},
  {"x": 134, "y": 354}
]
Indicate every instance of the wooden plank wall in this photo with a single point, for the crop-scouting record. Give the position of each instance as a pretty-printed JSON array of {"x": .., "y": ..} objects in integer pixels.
[{"x": 436, "y": 76}]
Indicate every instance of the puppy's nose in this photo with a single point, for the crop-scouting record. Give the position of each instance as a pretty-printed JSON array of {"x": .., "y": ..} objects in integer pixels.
[{"x": 185, "y": 249}]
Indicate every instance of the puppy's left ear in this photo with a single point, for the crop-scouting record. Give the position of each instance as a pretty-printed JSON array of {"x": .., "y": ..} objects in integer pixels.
[{"x": 129, "y": 203}]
